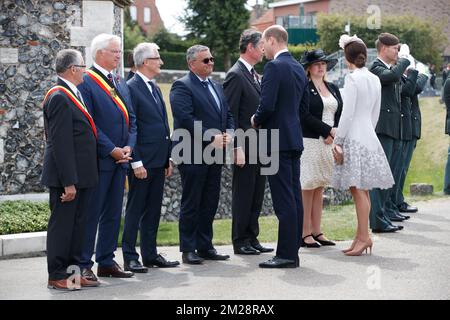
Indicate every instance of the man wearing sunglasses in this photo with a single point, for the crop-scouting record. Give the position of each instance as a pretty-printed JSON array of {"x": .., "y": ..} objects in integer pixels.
[{"x": 198, "y": 102}]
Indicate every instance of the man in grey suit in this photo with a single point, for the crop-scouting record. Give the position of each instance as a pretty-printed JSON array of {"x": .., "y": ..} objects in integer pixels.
[
  {"x": 389, "y": 68},
  {"x": 242, "y": 89}
]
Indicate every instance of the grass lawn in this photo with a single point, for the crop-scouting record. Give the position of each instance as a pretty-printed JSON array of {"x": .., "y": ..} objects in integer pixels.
[{"x": 338, "y": 223}]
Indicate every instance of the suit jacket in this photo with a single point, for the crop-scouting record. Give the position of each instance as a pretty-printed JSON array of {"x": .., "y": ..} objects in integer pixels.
[
  {"x": 71, "y": 150},
  {"x": 312, "y": 124},
  {"x": 416, "y": 117},
  {"x": 284, "y": 92},
  {"x": 190, "y": 102},
  {"x": 446, "y": 97},
  {"x": 242, "y": 93},
  {"x": 408, "y": 89},
  {"x": 389, "y": 122},
  {"x": 153, "y": 131},
  {"x": 110, "y": 122}
]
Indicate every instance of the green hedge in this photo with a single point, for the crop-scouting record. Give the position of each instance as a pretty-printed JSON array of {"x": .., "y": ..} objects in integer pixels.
[
  {"x": 177, "y": 60},
  {"x": 23, "y": 216}
]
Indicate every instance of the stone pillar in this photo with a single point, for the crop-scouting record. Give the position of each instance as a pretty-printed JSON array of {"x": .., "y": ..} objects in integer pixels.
[{"x": 31, "y": 33}]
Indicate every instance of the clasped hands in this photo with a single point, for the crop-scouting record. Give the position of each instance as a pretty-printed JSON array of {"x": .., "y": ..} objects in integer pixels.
[
  {"x": 330, "y": 138},
  {"x": 122, "y": 155},
  {"x": 221, "y": 140}
]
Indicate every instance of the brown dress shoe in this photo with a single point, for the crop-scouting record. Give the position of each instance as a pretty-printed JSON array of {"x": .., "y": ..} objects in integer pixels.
[
  {"x": 115, "y": 272},
  {"x": 63, "y": 285},
  {"x": 88, "y": 283}
]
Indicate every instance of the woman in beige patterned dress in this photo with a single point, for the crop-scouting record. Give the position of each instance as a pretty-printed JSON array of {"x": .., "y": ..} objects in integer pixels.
[{"x": 325, "y": 106}]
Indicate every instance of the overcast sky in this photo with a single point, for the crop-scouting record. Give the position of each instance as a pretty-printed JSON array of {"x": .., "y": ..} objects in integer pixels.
[{"x": 171, "y": 9}]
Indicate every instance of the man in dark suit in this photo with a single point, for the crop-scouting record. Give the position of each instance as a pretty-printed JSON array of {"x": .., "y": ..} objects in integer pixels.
[
  {"x": 150, "y": 163},
  {"x": 283, "y": 90},
  {"x": 389, "y": 68},
  {"x": 70, "y": 171},
  {"x": 107, "y": 98},
  {"x": 242, "y": 89},
  {"x": 199, "y": 109}
]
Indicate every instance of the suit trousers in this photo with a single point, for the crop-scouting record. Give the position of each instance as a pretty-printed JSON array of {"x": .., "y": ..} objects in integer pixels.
[
  {"x": 287, "y": 203},
  {"x": 65, "y": 231},
  {"x": 247, "y": 200},
  {"x": 398, "y": 158},
  {"x": 378, "y": 197},
  {"x": 105, "y": 211},
  {"x": 199, "y": 202},
  {"x": 447, "y": 174},
  {"x": 143, "y": 213},
  {"x": 408, "y": 150}
]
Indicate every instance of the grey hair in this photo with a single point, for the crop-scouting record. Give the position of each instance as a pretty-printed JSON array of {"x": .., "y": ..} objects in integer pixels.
[
  {"x": 101, "y": 42},
  {"x": 249, "y": 36},
  {"x": 143, "y": 51},
  {"x": 192, "y": 52},
  {"x": 67, "y": 58}
]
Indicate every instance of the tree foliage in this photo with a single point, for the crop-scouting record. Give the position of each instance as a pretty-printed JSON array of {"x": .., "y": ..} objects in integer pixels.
[
  {"x": 218, "y": 24},
  {"x": 425, "y": 38},
  {"x": 132, "y": 33}
]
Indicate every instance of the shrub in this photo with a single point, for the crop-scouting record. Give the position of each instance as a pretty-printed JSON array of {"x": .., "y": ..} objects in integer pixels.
[{"x": 23, "y": 216}]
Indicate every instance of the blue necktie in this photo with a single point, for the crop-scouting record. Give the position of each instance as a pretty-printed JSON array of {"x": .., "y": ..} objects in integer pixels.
[
  {"x": 156, "y": 96},
  {"x": 206, "y": 85}
]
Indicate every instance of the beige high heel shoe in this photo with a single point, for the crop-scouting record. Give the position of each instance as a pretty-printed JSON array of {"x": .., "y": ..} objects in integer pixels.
[
  {"x": 351, "y": 247},
  {"x": 360, "y": 246}
]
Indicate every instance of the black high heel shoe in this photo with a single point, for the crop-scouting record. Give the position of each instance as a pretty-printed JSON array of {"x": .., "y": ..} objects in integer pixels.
[
  {"x": 323, "y": 242},
  {"x": 309, "y": 245}
]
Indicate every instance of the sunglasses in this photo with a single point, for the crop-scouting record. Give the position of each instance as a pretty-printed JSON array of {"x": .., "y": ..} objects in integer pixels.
[{"x": 207, "y": 60}]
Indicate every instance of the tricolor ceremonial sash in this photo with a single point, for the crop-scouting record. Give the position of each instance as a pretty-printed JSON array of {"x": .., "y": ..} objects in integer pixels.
[
  {"x": 77, "y": 102},
  {"x": 110, "y": 92}
]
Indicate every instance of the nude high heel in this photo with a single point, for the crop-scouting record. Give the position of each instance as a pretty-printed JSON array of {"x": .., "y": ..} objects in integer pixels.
[
  {"x": 351, "y": 247},
  {"x": 360, "y": 247}
]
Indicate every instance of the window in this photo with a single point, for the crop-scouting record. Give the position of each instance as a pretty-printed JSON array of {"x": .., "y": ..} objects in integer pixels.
[
  {"x": 133, "y": 13},
  {"x": 147, "y": 15}
]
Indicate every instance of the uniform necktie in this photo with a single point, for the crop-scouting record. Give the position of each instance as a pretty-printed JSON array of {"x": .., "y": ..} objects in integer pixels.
[
  {"x": 111, "y": 78},
  {"x": 155, "y": 95},
  {"x": 255, "y": 76}
]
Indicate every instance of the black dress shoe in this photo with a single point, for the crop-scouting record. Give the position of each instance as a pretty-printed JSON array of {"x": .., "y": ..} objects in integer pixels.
[
  {"x": 397, "y": 218},
  {"x": 191, "y": 258},
  {"x": 88, "y": 274},
  {"x": 115, "y": 271},
  {"x": 404, "y": 207},
  {"x": 386, "y": 230},
  {"x": 212, "y": 254},
  {"x": 404, "y": 216},
  {"x": 134, "y": 266},
  {"x": 161, "y": 262},
  {"x": 277, "y": 262},
  {"x": 248, "y": 250},
  {"x": 260, "y": 248}
]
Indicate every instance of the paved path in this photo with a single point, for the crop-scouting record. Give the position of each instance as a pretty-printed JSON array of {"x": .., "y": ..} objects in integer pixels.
[{"x": 411, "y": 264}]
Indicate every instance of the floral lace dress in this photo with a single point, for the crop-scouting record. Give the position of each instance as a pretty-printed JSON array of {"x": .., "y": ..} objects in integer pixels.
[
  {"x": 365, "y": 164},
  {"x": 317, "y": 157}
]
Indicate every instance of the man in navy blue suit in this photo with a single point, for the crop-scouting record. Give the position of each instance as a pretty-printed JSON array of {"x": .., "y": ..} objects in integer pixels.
[
  {"x": 283, "y": 91},
  {"x": 198, "y": 106},
  {"x": 108, "y": 101},
  {"x": 150, "y": 163}
]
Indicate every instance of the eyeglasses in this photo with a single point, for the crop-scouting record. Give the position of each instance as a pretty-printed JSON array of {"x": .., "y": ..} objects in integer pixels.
[
  {"x": 156, "y": 58},
  {"x": 207, "y": 60},
  {"x": 79, "y": 65},
  {"x": 114, "y": 51}
]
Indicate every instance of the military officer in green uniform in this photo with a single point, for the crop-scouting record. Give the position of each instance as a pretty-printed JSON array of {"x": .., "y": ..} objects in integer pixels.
[{"x": 389, "y": 67}]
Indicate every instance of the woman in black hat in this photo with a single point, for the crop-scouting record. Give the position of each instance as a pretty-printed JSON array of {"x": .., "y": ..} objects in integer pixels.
[{"x": 325, "y": 106}]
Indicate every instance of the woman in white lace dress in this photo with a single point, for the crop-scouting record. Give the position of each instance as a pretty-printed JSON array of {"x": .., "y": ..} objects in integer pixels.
[
  {"x": 365, "y": 165},
  {"x": 318, "y": 127}
]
